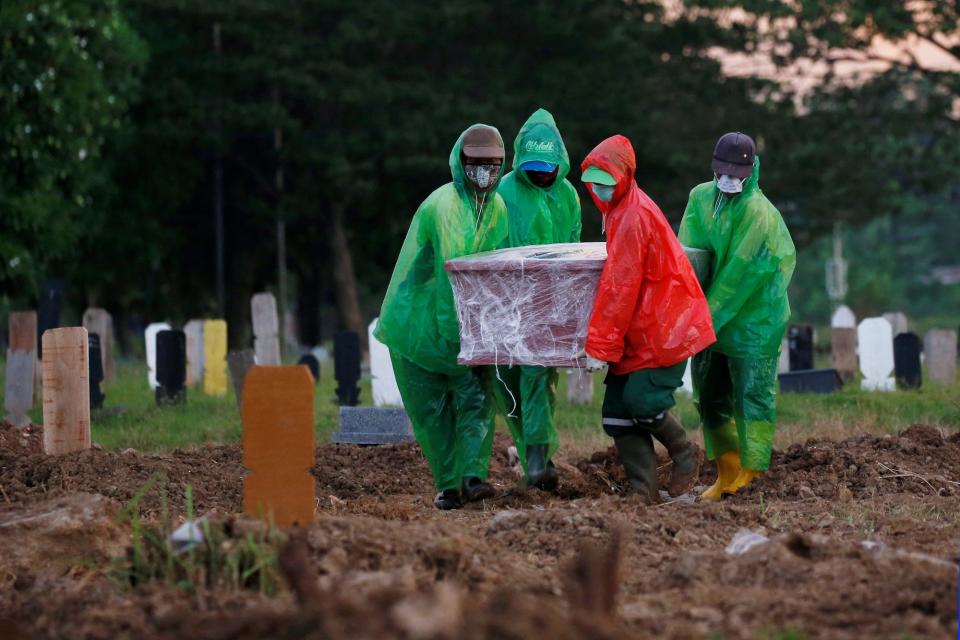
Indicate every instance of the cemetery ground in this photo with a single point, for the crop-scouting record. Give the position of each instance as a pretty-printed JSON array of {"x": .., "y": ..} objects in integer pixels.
[{"x": 861, "y": 512}]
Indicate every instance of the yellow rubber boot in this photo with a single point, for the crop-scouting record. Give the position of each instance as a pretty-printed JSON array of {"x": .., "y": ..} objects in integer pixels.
[
  {"x": 743, "y": 478},
  {"x": 728, "y": 470}
]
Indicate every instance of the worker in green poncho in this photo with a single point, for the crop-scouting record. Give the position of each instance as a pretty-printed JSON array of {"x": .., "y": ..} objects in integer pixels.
[
  {"x": 447, "y": 404},
  {"x": 542, "y": 208},
  {"x": 735, "y": 379}
]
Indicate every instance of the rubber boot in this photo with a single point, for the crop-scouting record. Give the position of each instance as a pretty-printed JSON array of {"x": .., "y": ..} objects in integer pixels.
[
  {"x": 728, "y": 468},
  {"x": 640, "y": 464},
  {"x": 745, "y": 477},
  {"x": 541, "y": 473},
  {"x": 686, "y": 456},
  {"x": 476, "y": 489},
  {"x": 448, "y": 499}
]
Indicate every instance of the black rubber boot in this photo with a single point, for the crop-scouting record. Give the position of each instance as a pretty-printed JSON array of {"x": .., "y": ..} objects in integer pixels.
[
  {"x": 541, "y": 473},
  {"x": 686, "y": 456},
  {"x": 476, "y": 489},
  {"x": 448, "y": 499},
  {"x": 640, "y": 464}
]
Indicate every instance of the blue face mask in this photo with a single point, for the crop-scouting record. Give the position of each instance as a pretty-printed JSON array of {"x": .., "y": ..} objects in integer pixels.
[{"x": 602, "y": 191}]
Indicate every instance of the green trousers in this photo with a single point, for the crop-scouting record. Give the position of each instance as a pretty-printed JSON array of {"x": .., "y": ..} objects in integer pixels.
[
  {"x": 528, "y": 406},
  {"x": 736, "y": 398},
  {"x": 640, "y": 395},
  {"x": 451, "y": 417}
]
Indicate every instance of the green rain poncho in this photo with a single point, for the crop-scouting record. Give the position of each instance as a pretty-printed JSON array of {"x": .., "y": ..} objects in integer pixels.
[
  {"x": 536, "y": 216},
  {"x": 418, "y": 322},
  {"x": 754, "y": 257}
]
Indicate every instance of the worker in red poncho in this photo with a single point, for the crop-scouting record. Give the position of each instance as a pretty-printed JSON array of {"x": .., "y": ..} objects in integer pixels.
[{"x": 649, "y": 317}]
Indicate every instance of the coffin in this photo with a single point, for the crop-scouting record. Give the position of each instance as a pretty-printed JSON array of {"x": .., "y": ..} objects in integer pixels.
[{"x": 531, "y": 305}]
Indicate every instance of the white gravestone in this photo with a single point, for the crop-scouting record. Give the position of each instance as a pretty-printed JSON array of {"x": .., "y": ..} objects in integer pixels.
[
  {"x": 194, "y": 332},
  {"x": 385, "y": 390},
  {"x": 940, "y": 355},
  {"x": 150, "y": 337},
  {"x": 875, "y": 347},
  {"x": 783, "y": 364},
  {"x": 579, "y": 386},
  {"x": 18, "y": 391},
  {"x": 843, "y": 318},
  {"x": 266, "y": 328}
]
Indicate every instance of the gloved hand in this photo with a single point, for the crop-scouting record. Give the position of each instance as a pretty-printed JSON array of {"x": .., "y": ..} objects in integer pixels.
[{"x": 592, "y": 364}]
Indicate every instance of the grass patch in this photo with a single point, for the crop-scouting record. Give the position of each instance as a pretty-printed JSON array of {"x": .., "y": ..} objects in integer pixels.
[{"x": 204, "y": 419}]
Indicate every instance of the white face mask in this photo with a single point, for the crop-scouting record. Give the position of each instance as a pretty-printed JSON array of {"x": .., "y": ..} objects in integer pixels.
[
  {"x": 729, "y": 184},
  {"x": 603, "y": 191}
]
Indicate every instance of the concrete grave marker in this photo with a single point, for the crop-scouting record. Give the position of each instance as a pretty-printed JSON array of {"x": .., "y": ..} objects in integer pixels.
[
  {"x": 240, "y": 363},
  {"x": 266, "y": 327},
  {"x": 783, "y": 364},
  {"x": 843, "y": 351},
  {"x": 100, "y": 322},
  {"x": 21, "y": 366},
  {"x": 940, "y": 355},
  {"x": 346, "y": 367},
  {"x": 875, "y": 348},
  {"x": 51, "y": 300},
  {"x": 310, "y": 362},
  {"x": 687, "y": 386},
  {"x": 150, "y": 342},
  {"x": 373, "y": 425},
  {"x": 800, "y": 340},
  {"x": 906, "y": 360},
  {"x": 215, "y": 357},
  {"x": 843, "y": 318},
  {"x": 898, "y": 322},
  {"x": 194, "y": 332},
  {"x": 384, "y": 384},
  {"x": 66, "y": 391},
  {"x": 278, "y": 445},
  {"x": 95, "y": 370},
  {"x": 171, "y": 367},
  {"x": 579, "y": 386}
]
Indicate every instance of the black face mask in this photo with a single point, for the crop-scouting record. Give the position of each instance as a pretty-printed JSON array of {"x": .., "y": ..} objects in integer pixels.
[{"x": 543, "y": 179}]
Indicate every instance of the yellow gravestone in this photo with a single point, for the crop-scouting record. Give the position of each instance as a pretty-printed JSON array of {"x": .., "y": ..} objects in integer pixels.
[{"x": 215, "y": 357}]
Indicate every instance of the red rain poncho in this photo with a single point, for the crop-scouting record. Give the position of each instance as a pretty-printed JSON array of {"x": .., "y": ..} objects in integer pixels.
[{"x": 650, "y": 311}]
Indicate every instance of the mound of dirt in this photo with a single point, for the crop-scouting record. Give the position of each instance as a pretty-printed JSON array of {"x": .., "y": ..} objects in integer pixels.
[{"x": 918, "y": 460}]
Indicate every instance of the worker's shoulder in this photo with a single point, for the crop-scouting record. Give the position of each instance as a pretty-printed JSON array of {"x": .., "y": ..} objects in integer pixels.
[
  {"x": 760, "y": 207},
  {"x": 703, "y": 191}
]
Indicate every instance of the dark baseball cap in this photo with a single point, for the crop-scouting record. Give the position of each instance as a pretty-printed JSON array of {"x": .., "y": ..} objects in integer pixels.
[
  {"x": 481, "y": 141},
  {"x": 733, "y": 155}
]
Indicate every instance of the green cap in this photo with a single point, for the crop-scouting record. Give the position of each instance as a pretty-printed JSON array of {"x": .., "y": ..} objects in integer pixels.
[{"x": 598, "y": 175}]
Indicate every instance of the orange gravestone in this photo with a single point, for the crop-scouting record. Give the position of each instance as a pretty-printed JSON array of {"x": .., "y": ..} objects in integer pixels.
[
  {"x": 278, "y": 445},
  {"x": 23, "y": 330},
  {"x": 66, "y": 391}
]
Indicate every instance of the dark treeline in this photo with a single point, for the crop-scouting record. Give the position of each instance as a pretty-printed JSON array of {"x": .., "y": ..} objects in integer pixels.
[{"x": 126, "y": 126}]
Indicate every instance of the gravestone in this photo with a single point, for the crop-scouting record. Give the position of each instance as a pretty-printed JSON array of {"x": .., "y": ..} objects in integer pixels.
[
  {"x": 783, "y": 364},
  {"x": 687, "y": 386},
  {"x": 310, "y": 362},
  {"x": 95, "y": 372},
  {"x": 51, "y": 300},
  {"x": 346, "y": 367},
  {"x": 373, "y": 425},
  {"x": 21, "y": 366},
  {"x": 906, "y": 360},
  {"x": 810, "y": 381},
  {"x": 100, "y": 322},
  {"x": 215, "y": 357},
  {"x": 278, "y": 445},
  {"x": 843, "y": 351},
  {"x": 940, "y": 355},
  {"x": 240, "y": 363},
  {"x": 579, "y": 386},
  {"x": 384, "y": 384},
  {"x": 875, "y": 349},
  {"x": 843, "y": 318},
  {"x": 800, "y": 340},
  {"x": 266, "y": 339},
  {"x": 171, "y": 367},
  {"x": 150, "y": 343},
  {"x": 194, "y": 332},
  {"x": 66, "y": 391},
  {"x": 898, "y": 322}
]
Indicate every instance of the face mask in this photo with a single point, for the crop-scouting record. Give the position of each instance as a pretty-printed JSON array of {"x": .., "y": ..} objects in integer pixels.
[
  {"x": 729, "y": 184},
  {"x": 482, "y": 175},
  {"x": 602, "y": 191},
  {"x": 542, "y": 179}
]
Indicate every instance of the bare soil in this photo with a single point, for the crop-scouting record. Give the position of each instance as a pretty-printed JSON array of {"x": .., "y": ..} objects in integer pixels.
[{"x": 864, "y": 541}]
